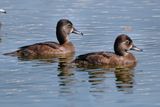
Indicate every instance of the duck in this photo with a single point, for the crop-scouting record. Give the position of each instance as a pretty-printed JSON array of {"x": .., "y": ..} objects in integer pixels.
[
  {"x": 51, "y": 49},
  {"x": 121, "y": 57}
]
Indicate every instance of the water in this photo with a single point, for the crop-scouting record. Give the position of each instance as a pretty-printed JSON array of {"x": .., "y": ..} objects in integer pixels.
[{"x": 55, "y": 83}]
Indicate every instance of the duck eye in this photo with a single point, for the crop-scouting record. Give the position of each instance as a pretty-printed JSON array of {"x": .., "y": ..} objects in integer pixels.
[
  {"x": 69, "y": 25},
  {"x": 127, "y": 42}
]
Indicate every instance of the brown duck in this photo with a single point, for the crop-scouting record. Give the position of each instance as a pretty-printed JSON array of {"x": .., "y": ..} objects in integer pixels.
[
  {"x": 120, "y": 58},
  {"x": 51, "y": 49}
]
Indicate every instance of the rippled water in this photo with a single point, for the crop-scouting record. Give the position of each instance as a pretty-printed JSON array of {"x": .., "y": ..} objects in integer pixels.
[{"x": 54, "y": 82}]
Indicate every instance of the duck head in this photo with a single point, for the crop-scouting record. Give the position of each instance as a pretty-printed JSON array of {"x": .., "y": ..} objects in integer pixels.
[
  {"x": 123, "y": 44},
  {"x": 64, "y": 29}
]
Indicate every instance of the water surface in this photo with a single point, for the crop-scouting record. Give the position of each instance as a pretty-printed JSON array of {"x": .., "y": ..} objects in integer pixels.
[{"x": 54, "y": 82}]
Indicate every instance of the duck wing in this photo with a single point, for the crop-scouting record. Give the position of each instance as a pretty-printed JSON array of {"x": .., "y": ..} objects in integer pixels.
[
  {"x": 51, "y": 44},
  {"x": 39, "y": 49},
  {"x": 95, "y": 58}
]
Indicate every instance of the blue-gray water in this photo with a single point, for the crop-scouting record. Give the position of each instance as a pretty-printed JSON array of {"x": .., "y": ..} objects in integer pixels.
[{"x": 38, "y": 83}]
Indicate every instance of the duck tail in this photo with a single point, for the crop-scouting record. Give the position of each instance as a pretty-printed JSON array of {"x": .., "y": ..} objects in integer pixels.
[{"x": 15, "y": 53}]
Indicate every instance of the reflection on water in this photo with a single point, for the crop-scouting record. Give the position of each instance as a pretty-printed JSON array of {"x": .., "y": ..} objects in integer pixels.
[
  {"x": 65, "y": 69},
  {"x": 50, "y": 59},
  {"x": 96, "y": 78},
  {"x": 66, "y": 78},
  {"x": 124, "y": 79},
  {"x": 65, "y": 75}
]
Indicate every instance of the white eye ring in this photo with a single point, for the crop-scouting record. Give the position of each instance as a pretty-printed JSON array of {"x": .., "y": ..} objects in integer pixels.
[{"x": 127, "y": 41}]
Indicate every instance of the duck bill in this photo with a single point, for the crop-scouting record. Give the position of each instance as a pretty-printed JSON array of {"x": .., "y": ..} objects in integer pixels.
[
  {"x": 136, "y": 48},
  {"x": 75, "y": 31}
]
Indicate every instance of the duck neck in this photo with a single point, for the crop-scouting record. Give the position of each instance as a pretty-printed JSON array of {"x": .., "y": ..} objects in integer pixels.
[
  {"x": 61, "y": 36},
  {"x": 118, "y": 50},
  {"x": 120, "y": 53}
]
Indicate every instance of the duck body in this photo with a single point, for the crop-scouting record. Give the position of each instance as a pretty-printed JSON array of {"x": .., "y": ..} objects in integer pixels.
[
  {"x": 120, "y": 58},
  {"x": 46, "y": 49},
  {"x": 51, "y": 49},
  {"x": 108, "y": 59}
]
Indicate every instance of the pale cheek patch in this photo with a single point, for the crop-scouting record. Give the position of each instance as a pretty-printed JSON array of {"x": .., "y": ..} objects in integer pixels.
[
  {"x": 130, "y": 47},
  {"x": 67, "y": 30},
  {"x": 71, "y": 30}
]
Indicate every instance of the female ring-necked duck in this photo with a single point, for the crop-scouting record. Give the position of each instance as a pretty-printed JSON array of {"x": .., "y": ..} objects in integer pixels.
[
  {"x": 121, "y": 58},
  {"x": 47, "y": 49}
]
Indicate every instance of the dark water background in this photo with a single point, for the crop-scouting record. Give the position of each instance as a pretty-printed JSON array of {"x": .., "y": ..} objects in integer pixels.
[{"x": 50, "y": 83}]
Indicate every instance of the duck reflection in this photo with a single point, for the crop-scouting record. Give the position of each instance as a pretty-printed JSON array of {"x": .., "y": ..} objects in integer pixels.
[
  {"x": 124, "y": 79},
  {"x": 96, "y": 77},
  {"x": 97, "y": 80},
  {"x": 49, "y": 59},
  {"x": 100, "y": 79},
  {"x": 64, "y": 70},
  {"x": 66, "y": 76}
]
